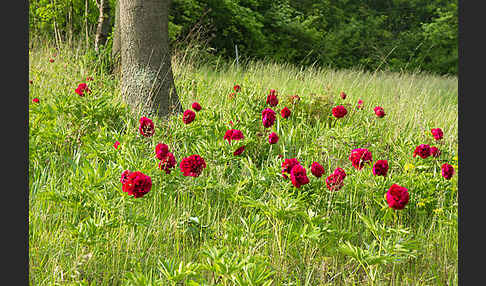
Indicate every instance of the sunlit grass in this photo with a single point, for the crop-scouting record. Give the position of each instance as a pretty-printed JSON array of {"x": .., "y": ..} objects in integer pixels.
[{"x": 240, "y": 216}]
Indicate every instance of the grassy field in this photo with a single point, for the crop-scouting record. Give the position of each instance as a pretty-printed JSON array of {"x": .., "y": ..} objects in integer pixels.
[{"x": 240, "y": 222}]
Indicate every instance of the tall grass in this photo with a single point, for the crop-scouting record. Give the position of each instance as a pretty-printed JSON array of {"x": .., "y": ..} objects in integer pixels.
[{"x": 240, "y": 222}]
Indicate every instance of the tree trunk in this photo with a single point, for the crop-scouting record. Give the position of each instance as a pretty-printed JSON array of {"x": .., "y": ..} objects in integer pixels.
[
  {"x": 104, "y": 26},
  {"x": 86, "y": 22},
  {"x": 147, "y": 84},
  {"x": 116, "y": 47}
]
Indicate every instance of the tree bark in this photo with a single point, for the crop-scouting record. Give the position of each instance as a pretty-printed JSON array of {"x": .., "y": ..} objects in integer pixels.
[
  {"x": 103, "y": 28},
  {"x": 116, "y": 47},
  {"x": 147, "y": 83}
]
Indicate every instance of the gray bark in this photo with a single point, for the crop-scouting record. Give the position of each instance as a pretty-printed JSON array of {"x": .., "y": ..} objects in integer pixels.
[
  {"x": 103, "y": 28},
  {"x": 115, "y": 49},
  {"x": 147, "y": 83}
]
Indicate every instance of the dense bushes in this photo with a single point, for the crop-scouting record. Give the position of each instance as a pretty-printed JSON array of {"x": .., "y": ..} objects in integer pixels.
[{"x": 395, "y": 35}]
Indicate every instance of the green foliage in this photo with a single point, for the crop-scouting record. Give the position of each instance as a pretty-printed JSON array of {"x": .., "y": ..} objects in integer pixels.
[
  {"x": 240, "y": 222},
  {"x": 387, "y": 35}
]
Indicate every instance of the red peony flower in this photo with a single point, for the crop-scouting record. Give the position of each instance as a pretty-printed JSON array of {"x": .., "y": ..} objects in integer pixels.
[
  {"x": 380, "y": 168},
  {"x": 116, "y": 144},
  {"x": 196, "y": 106},
  {"x": 359, "y": 157},
  {"x": 340, "y": 172},
  {"x": 287, "y": 166},
  {"x": 239, "y": 151},
  {"x": 437, "y": 133},
  {"x": 236, "y": 88},
  {"x": 298, "y": 176},
  {"x": 268, "y": 117},
  {"x": 273, "y": 138},
  {"x": 339, "y": 111},
  {"x": 423, "y": 150},
  {"x": 434, "y": 151},
  {"x": 285, "y": 112},
  {"x": 161, "y": 151},
  {"x": 136, "y": 184},
  {"x": 36, "y": 100},
  {"x": 188, "y": 116},
  {"x": 317, "y": 170},
  {"x": 192, "y": 165},
  {"x": 167, "y": 163},
  {"x": 82, "y": 87},
  {"x": 447, "y": 171},
  {"x": 397, "y": 197},
  {"x": 379, "y": 111},
  {"x": 343, "y": 95},
  {"x": 272, "y": 100},
  {"x": 233, "y": 134},
  {"x": 334, "y": 182},
  {"x": 146, "y": 127}
]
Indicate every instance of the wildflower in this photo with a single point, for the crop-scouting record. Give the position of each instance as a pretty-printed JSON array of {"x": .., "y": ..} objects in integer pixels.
[
  {"x": 434, "y": 151},
  {"x": 272, "y": 99},
  {"x": 397, "y": 197},
  {"x": 447, "y": 171},
  {"x": 285, "y": 112},
  {"x": 136, "y": 183},
  {"x": 408, "y": 166},
  {"x": 30, "y": 81},
  {"x": 317, "y": 170},
  {"x": 167, "y": 163},
  {"x": 232, "y": 95},
  {"x": 423, "y": 150},
  {"x": 359, "y": 157},
  {"x": 339, "y": 111},
  {"x": 239, "y": 151},
  {"x": 236, "y": 88},
  {"x": 268, "y": 117},
  {"x": 379, "y": 111},
  {"x": 340, "y": 172},
  {"x": 82, "y": 87},
  {"x": 233, "y": 134},
  {"x": 287, "y": 166},
  {"x": 116, "y": 144},
  {"x": 273, "y": 138},
  {"x": 334, "y": 182},
  {"x": 146, "y": 127},
  {"x": 343, "y": 95},
  {"x": 192, "y": 165},
  {"x": 51, "y": 60},
  {"x": 161, "y": 151},
  {"x": 196, "y": 106},
  {"x": 380, "y": 168},
  {"x": 360, "y": 104},
  {"x": 89, "y": 78},
  {"x": 36, "y": 100},
  {"x": 188, "y": 116},
  {"x": 298, "y": 176},
  {"x": 437, "y": 133}
]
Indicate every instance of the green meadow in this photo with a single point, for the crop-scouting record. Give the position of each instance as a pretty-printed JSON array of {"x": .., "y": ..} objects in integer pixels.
[{"x": 240, "y": 222}]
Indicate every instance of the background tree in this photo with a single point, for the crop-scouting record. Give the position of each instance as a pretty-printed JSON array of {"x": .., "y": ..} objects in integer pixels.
[
  {"x": 104, "y": 25},
  {"x": 146, "y": 74}
]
